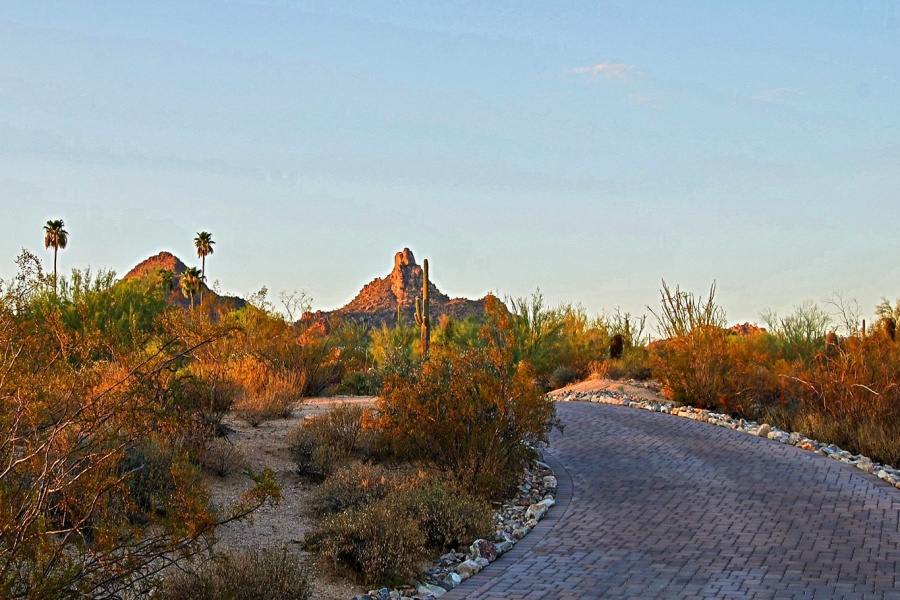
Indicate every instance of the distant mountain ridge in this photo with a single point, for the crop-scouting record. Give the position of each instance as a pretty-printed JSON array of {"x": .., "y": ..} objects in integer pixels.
[{"x": 377, "y": 302}]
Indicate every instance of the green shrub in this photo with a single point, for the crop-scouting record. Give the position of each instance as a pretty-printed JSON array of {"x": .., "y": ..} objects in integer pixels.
[
  {"x": 472, "y": 413},
  {"x": 801, "y": 334},
  {"x": 378, "y": 545},
  {"x": 562, "y": 376},
  {"x": 270, "y": 574},
  {"x": 352, "y": 487},
  {"x": 359, "y": 383},
  {"x": 634, "y": 364}
]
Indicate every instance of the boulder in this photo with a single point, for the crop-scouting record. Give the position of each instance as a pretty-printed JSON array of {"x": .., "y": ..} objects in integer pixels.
[
  {"x": 485, "y": 549},
  {"x": 467, "y": 568},
  {"x": 538, "y": 510}
]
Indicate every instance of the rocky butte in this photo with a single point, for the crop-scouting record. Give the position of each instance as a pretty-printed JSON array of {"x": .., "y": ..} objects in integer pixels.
[
  {"x": 166, "y": 261},
  {"x": 378, "y": 302}
]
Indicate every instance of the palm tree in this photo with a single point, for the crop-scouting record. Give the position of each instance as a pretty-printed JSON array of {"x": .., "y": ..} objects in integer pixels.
[
  {"x": 56, "y": 236},
  {"x": 190, "y": 283},
  {"x": 204, "y": 244}
]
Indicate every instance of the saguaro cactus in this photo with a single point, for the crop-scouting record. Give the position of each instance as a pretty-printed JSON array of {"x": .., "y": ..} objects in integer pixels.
[{"x": 422, "y": 318}]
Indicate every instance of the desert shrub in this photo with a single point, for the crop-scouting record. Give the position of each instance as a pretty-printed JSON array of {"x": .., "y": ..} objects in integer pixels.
[
  {"x": 100, "y": 443},
  {"x": 352, "y": 487},
  {"x": 682, "y": 312},
  {"x": 562, "y": 376},
  {"x": 448, "y": 517},
  {"x": 151, "y": 462},
  {"x": 849, "y": 396},
  {"x": 274, "y": 397},
  {"x": 634, "y": 364},
  {"x": 692, "y": 361},
  {"x": 303, "y": 444},
  {"x": 395, "y": 348},
  {"x": 379, "y": 544},
  {"x": 310, "y": 349},
  {"x": 209, "y": 395},
  {"x": 222, "y": 458},
  {"x": 269, "y": 574},
  {"x": 694, "y": 368},
  {"x": 711, "y": 369},
  {"x": 359, "y": 383},
  {"x": 799, "y": 335},
  {"x": 613, "y": 369},
  {"x": 472, "y": 413},
  {"x": 536, "y": 332},
  {"x": 322, "y": 443}
]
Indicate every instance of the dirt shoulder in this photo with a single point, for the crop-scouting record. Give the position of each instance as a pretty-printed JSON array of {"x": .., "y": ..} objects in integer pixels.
[
  {"x": 287, "y": 523},
  {"x": 636, "y": 389}
]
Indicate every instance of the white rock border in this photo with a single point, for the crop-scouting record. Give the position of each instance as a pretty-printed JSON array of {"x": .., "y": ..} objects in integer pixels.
[{"x": 607, "y": 396}]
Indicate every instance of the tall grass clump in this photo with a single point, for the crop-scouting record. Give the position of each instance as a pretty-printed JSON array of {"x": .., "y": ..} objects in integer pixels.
[
  {"x": 323, "y": 443},
  {"x": 268, "y": 574}
]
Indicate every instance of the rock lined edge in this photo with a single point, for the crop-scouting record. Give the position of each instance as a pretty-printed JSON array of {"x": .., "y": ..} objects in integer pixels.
[
  {"x": 886, "y": 473},
  {"x": 536, "y": 494}
]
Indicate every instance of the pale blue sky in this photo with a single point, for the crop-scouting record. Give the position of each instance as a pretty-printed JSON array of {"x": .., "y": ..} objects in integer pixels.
[{"x": 589, "y": 148}]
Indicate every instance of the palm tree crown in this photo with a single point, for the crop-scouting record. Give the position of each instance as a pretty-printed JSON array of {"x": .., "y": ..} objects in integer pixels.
[
  {"x": 204, "y": 244},
  {"x": 56, "y": 237},
  {"x": 190, "y": 283}
]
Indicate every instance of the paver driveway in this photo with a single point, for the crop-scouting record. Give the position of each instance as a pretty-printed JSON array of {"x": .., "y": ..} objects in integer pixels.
[{"x": 655, "y": 506}]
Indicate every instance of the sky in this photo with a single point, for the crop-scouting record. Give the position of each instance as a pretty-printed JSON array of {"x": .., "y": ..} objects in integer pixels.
[{"x": 590, "y": 149}]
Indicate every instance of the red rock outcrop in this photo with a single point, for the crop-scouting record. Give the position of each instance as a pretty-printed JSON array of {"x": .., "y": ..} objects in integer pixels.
[
  {"x": 377, "y": 302},
  {"x": 746, "y": 329}
]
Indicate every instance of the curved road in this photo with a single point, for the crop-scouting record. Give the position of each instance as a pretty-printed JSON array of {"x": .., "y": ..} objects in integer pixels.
[{"x": 656, "y": 506}]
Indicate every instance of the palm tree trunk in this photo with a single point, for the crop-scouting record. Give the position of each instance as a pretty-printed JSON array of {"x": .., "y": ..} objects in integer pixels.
[
  {"x": 55, "y": 251},
  {"x": 202, "y": 276}
]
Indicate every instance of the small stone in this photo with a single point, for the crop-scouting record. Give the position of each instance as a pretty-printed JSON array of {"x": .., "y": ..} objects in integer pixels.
[
  {"x": 427, "y": 588},
  {"x": 764, "y": 430},
  {"x": 483, "y": 549},
  {"x": 482, "y": 562},
  {"x": 537, "y": 511},
  {"x": 865, "y": 463},
  {"x": 467, "y": 568},
  {"x": 451, "y": 581}
]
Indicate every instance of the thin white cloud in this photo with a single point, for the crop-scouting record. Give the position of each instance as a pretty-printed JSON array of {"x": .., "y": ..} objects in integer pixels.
[
  {"x": 774, "y": 95},
  {"x": 606, "y": 69},
  {"x": 640, "y": 99}
]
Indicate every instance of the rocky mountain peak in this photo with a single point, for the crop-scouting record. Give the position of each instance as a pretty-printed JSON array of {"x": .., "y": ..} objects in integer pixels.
[
  {"x": 379, "y": 299},
  {"x": 164, "y": 260},
  {"x": 404, "y": 258}
]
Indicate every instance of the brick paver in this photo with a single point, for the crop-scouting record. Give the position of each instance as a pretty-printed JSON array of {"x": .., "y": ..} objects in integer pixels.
[{"x": 655, "y": 506}]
